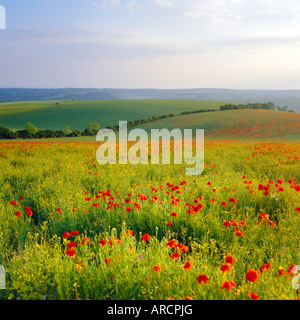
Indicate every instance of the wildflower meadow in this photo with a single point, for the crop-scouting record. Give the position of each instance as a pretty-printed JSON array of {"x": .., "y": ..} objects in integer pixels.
[{"x": 71, "y": 228}]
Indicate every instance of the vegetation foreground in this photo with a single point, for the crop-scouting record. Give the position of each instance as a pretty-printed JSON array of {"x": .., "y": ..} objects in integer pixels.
[{"x": 73, "y": 229}]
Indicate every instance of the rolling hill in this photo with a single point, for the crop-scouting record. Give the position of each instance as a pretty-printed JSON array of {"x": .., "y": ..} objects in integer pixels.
[
  {"x": 290, "y": 98},
  {"x": 236, "y": 124},
  {"x": 78, "y": 114},
  {"x": 239, "y": 125}
]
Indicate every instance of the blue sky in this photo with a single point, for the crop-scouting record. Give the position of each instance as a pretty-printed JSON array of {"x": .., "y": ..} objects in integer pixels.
[{"x": 240, "y": 44}]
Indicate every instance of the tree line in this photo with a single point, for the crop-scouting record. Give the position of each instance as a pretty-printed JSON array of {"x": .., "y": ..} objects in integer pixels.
[
  {"x": 198, "y": 111},
  {"x": 256, "y": 105},
  {"x": 32, "y": 132}
]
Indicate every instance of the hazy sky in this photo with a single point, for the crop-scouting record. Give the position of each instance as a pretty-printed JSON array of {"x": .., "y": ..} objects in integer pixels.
[{"x": 242, "y": 44}]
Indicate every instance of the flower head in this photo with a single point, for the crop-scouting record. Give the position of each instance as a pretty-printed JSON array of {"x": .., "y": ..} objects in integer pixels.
[
  {"x": 252, "y": 275},
  {"x": 202, "y": 278}
]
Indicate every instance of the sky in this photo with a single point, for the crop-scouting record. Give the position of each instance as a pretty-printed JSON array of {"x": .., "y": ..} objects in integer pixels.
[{"x": 234, "y": 44}]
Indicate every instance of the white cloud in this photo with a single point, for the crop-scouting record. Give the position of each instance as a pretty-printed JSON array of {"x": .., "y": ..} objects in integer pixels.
[{"x": 164, "y": 3}]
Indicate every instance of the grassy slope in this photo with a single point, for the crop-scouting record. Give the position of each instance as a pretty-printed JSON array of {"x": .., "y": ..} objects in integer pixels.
[
  {"x": 244, "y": 125},
  {"x": 238, "y": 124},
  {"x": 77, "y": 114},
  {"x": 10, "y": 108}
]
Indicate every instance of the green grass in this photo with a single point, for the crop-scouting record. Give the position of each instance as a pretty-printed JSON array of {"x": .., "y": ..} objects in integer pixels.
[{"x": 78, "y": 114}]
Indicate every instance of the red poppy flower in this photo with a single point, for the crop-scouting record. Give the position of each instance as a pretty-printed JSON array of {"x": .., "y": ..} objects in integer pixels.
[
  {"x": 239, "y": 234},
  {"x": 188, "y": 266},
  {"x": 252, "y": 275},
  {"x": 264, "y": 216},
  {"x": 175, "y": 255},
  {"x": 297, "y": 209},
  {"x": 21, "y": 198},
  {"x": 70, "y": 253},
  {"x": 229, "y": 259},
  {"x": 293, "y": 269},
  {"x": 170, "y": 223},
  {"x": 58, "y": 210},
  {"x": 66, "y": 235},
  {"x": 225, "y": 268},
  {"x": 72, "y": 245},
  {"x": 145, "y": 237},
  {"x": 228, "y": 285},
  {"x": 157, "y": 268},
  {"x": 243, "y": 223},
  {"x": 264, "y": 267},
  {"x": 17, "y": 213},
  {"x": 13, "y": 203},
  {"x": 188, "y": 298},
  {"x": 224, "y": 203},
  {"x": 232, "y": 221},
  {"x": 102, "y": 242},
  {"x": 231, "y": 200},
  {"x": 128, "y": 209},
  {"x": 74, "y": 233},
  {"x": 226, "y": 223},
  {"x": 174, "y": 214},
  {"x": 202, "y": 278},
  {"x": 281, "y": 272},
  {"x": 107, "y": 261},
  {"x": 253, "y": 296},
  {"x": 130, "y": 232},
  {"x": 171, "y": 243}
]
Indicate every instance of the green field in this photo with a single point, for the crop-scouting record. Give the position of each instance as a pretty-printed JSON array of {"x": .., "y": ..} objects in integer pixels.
[
  {"x": 78, "y": 114},
  {"x": 11, "y": 108},
  {"x": 253, "y": 125}
]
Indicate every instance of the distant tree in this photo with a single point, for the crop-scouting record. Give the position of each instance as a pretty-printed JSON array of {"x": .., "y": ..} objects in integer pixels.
[
  {"x": 92, "y": 129},
  {"x": 31, "y": 128},
  {"x": 256, "y": 105},
  {"x": 268, "y": 106},
  {"x": 5, "y": 133},
  {"x": 75, "y": 133},
  {"x": 67, "y": 130}
]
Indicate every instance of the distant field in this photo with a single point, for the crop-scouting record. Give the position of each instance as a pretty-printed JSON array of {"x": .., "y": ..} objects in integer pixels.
[
  {"x": 9, "y": 108},
  {"x": 246, "y": 125},
  {"x": 78, "y": 114},
  {"x": 237, "y": 124}
]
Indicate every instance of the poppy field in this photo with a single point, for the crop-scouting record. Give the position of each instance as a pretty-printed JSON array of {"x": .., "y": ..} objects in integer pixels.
[{"x": 71, "y": 228}]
